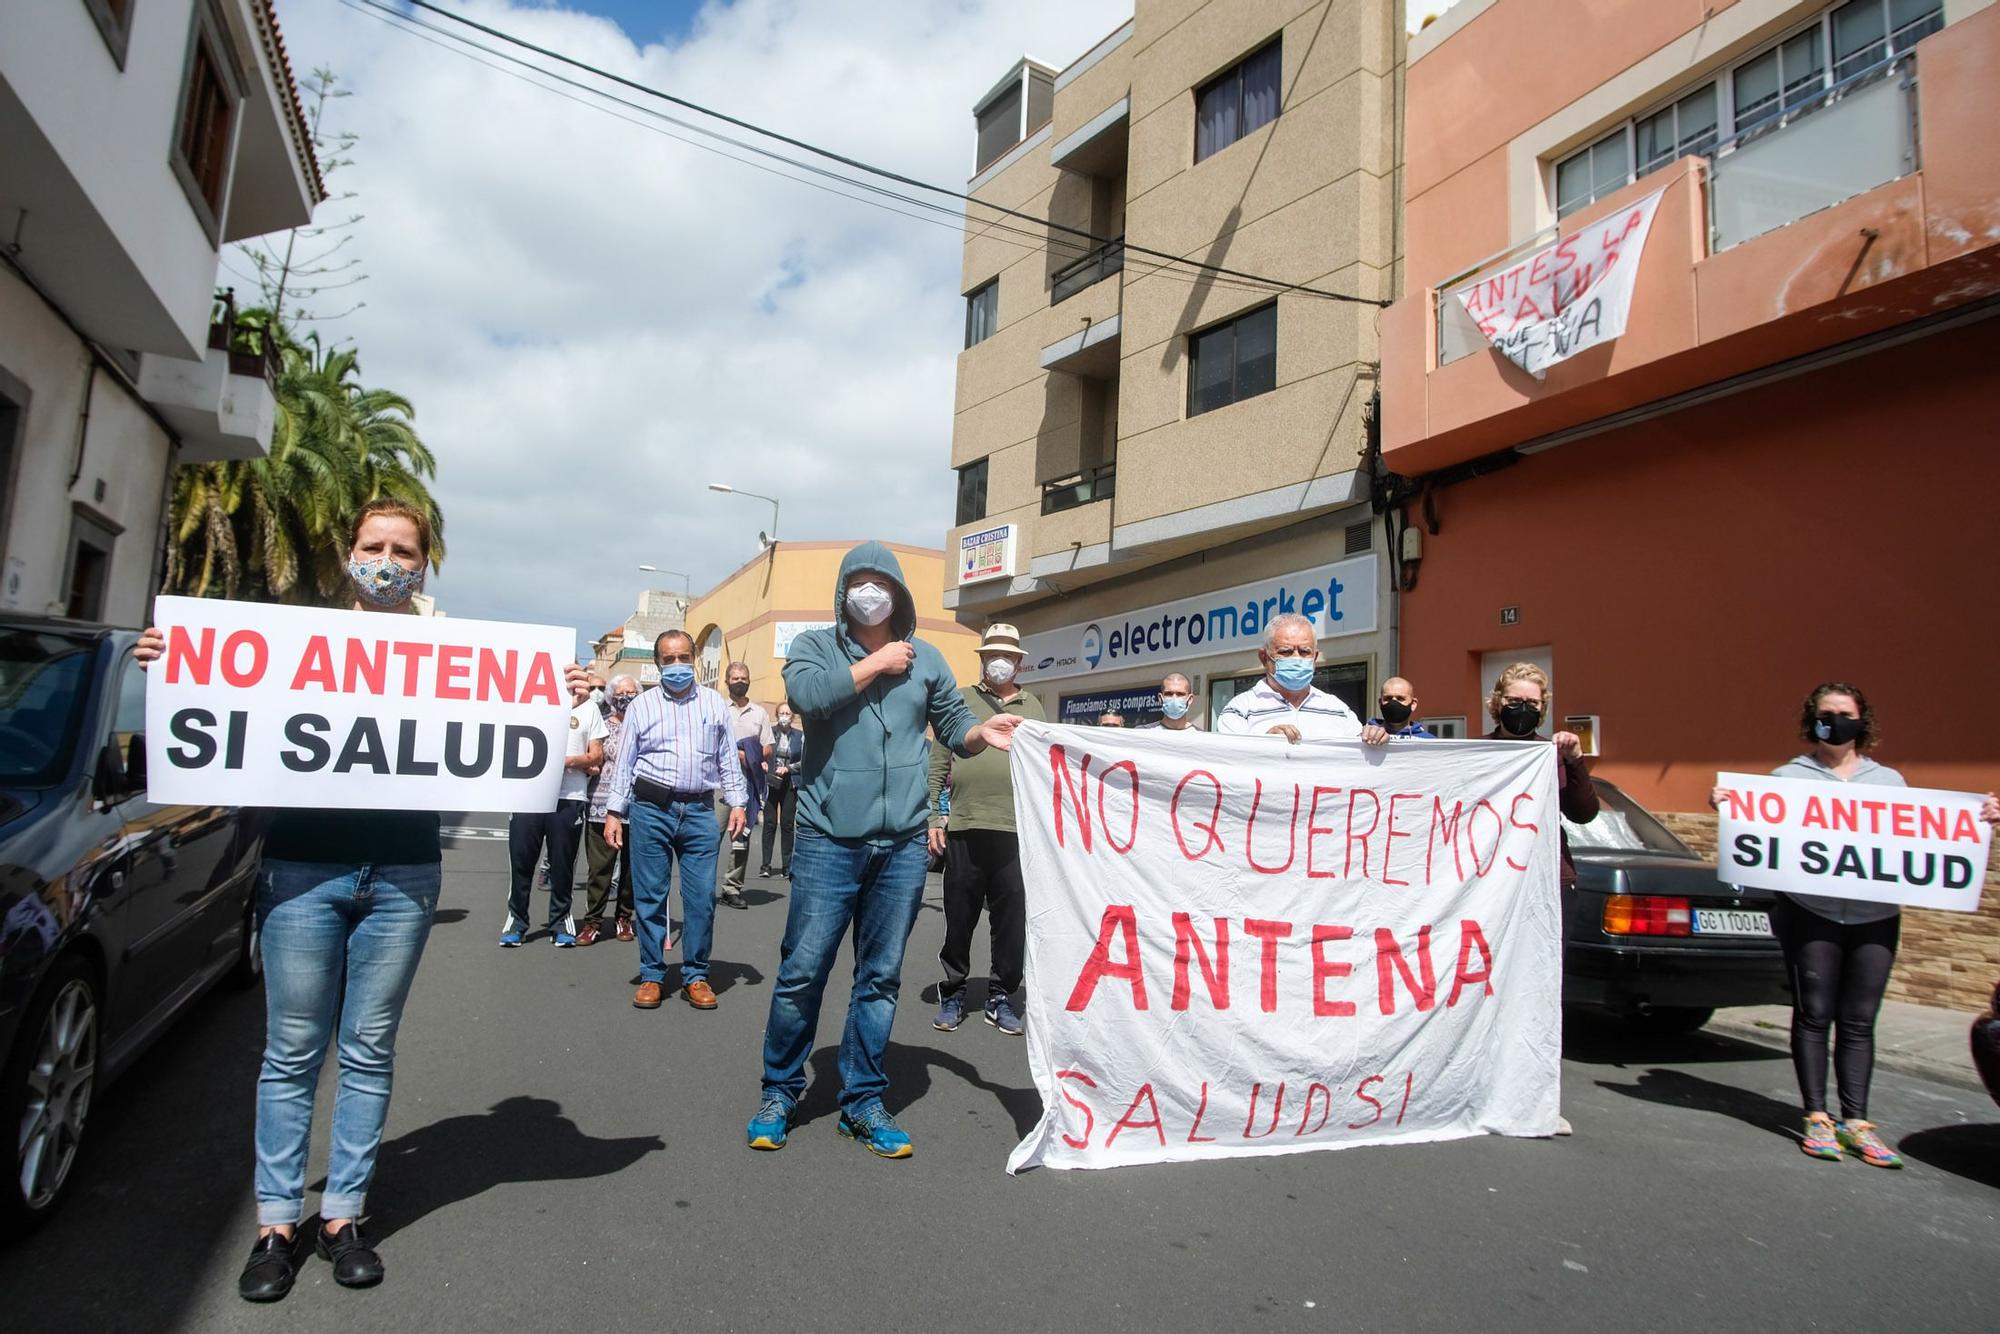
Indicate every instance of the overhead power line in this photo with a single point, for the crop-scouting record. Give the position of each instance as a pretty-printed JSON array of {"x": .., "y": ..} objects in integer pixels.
[
  {"x": 936, "y": 214},
  {"x": 856, "y": 164}
]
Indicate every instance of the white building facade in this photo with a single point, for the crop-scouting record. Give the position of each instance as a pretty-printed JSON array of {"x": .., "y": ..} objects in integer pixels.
[{"x": 136, "y": 137}]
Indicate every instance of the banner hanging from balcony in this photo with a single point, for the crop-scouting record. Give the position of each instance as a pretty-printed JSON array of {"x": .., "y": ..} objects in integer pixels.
[
  {"x": 1241, "y": 947},
  {"x": 1566, "y": 297}
]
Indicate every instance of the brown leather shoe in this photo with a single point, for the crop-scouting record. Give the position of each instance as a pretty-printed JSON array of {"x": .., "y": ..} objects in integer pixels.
[
  {"x": 586, "y": 934},
  {"x": 647, "y": 997},
  {"x": 699, "y": 994},
  {"x": 625, "y": 931}
]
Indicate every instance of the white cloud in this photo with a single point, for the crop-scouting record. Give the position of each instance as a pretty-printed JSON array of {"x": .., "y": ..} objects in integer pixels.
[{"x": 595, "y": 321}]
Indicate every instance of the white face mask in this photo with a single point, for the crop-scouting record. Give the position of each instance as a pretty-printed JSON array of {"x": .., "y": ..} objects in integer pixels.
[
  {"x": 999, "y": 669},
  {"x": 870, "y": 604}
]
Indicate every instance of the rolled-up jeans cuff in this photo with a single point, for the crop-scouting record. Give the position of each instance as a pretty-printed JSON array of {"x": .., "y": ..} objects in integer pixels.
[
  {"x": 342, "y": 1206},
  {"x": 280, "y": 1213}
]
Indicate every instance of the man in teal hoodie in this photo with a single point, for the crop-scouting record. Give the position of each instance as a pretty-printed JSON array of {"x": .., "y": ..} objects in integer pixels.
[{"x": 867, "y": 690}]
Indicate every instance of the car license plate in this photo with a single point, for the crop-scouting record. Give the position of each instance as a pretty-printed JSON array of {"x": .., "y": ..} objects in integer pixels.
[{"x": 1731, "y": 922}]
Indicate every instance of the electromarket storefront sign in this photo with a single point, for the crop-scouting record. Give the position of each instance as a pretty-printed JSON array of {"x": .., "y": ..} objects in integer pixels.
[{"x": 1339, "y": 599}]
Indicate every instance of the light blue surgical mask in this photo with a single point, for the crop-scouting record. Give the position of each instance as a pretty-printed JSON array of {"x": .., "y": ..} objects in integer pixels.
[
  {"x": 1292, "y": 673},
  {"x": 677, "y": 676},
  {"x": 1174, "y": 706}
]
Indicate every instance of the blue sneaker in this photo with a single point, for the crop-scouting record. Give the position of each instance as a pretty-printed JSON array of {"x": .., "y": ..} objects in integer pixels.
[
  {"x": 876, "y": 1131},
  {"x": 1000, "y": 1014},
  {"x": 564, "y": 940},
  {"x": 511, "y": 937},
  {"x": 563, "y": 933},
  {"x": 951, "y": 1013},
  {"x": 767, "y": 1128}
]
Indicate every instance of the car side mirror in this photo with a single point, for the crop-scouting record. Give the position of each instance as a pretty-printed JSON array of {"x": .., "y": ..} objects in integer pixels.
[
  {"x": 121, "y": 773},
  {"x": 135, "y": 763}
]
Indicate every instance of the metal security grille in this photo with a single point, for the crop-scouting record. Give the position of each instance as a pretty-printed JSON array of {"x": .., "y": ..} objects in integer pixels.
[{"x": 1360, "y": 538}]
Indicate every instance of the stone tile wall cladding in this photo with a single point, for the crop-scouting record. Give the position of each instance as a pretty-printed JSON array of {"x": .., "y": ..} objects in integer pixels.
[{"x": 1946, "y": 959}]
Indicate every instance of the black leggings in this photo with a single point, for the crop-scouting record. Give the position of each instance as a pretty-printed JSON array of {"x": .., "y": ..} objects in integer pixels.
[{"x": 1839, "y": 972}]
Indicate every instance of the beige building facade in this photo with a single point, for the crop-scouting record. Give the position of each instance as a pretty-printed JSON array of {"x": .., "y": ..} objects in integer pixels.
[{"x": 1155, "y": 455}]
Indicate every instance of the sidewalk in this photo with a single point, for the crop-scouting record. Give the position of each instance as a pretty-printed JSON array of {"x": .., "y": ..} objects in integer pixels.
[{"x": 1909, "y": 1039}]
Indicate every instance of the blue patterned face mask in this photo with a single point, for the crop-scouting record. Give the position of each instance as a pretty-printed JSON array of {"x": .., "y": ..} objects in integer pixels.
[{"x": 386, "y": 582}]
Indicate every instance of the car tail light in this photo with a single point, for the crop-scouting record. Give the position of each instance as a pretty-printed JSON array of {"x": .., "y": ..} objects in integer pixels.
[{"x": 1646, "y": 915}]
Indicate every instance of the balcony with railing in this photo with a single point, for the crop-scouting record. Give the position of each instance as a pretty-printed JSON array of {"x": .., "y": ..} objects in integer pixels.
[
  {"x": 1080, "y": 488},
  {"x": 1087, "y": 270},
  {"x": 1832, "y": 219}
]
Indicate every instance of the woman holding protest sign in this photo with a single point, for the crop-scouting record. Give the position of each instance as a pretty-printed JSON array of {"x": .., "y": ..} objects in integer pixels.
[
  {"x": 344, "y": 908},
  {"x": 1839, "y": 950}
]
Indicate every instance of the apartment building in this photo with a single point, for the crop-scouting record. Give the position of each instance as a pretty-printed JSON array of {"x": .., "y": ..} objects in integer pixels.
[
  {"x": 1783, "y": 470},
  {"x": 1154, "y": 457},
  {"x": 136, "y": 137}
]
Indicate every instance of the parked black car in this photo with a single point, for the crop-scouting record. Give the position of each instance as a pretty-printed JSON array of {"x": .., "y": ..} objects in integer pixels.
[
  {"x": 1652, "y": 932},
  {"x": 115, "y": 913}
]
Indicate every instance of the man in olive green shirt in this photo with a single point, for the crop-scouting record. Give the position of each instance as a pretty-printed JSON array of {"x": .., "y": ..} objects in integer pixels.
[{"x": 982, "y": 859}]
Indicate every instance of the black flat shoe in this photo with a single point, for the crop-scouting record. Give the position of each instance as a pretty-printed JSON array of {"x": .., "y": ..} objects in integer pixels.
[
  {"x": 355, "y": 1264},
  {"x": 268, "y": 1274}
]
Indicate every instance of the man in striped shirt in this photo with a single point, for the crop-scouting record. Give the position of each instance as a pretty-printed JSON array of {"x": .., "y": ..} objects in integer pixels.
[
  {"x": 1285, "y": 702},
  {"x": 676, "y": 748}
]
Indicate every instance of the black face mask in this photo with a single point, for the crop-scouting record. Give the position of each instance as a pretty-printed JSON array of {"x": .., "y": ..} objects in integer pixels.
[
  {"x": 1394, "y": 711},
  {"x": 738, "y": 689},
  {"x": 1520, "y": 717},
  {"x": 1837, "y": 729}
]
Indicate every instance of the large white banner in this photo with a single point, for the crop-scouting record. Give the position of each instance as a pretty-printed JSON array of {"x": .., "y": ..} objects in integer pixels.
[
  {"x": 1566, "y": 297},
  {"x": 1917, "y": 846},
  {"x": 260, "y": 705},
  {"x": 1240, "y": 946},
  {"x": 1339, "y": 599}
]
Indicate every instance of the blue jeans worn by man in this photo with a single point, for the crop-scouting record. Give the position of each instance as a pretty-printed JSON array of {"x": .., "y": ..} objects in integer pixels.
[
  {"x": 337, "y": 940},
  {"x": 682, "y": 831}
]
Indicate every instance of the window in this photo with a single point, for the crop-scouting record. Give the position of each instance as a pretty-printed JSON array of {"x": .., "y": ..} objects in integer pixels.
[
  {"x": 1445, "y": 729},
  {"x": 206, "y": 136},
  {"x": 999, "y": 124},
  {"x": 972, "y": 492},
  {"x": 114, "y": 22},
  {"x": 1233, "y": 361},
  {"x": 1237, "y": 101},
  {"x": 1859, "y": 36},
  {"x": 90, "y": 546},
  {"x": 982, "y": 312}
]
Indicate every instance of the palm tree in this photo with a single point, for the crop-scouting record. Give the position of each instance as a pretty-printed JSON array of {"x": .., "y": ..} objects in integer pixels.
[{"x": 284, "y": 520}]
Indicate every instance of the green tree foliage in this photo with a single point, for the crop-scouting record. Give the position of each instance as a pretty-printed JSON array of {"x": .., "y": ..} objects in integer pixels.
[{"x": 277, "y": 529}]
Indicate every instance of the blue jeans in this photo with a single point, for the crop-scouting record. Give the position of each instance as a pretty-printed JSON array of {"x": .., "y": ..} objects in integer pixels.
[
  {"x": 659, "y": 836},
  {"x": 877, "y": 887},
  {"x": 336, "y": 939}
]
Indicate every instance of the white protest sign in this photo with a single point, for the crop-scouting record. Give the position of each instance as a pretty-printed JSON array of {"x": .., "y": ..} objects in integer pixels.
[
  {"x": 1240, "y": 946},
  {"x": 254, "y": 704},
  {"x": 1565, "y": 297},
  {"x": 1909, "y": 845}
]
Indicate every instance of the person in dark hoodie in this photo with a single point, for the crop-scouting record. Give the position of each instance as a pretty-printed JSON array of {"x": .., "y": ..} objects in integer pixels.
[{"x": 867, "y": 689}]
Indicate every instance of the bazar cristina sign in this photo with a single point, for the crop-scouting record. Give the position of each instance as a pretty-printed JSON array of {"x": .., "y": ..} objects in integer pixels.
[
  {"x": 1565, "y": 297},
  {"x": 987, "y": 554},
  {"x": 1339, "y": 599}
]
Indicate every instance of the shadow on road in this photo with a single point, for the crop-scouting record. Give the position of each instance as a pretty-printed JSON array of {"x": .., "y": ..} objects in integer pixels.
[
  {"x": 909, "y": 1070},
  {"x": 1676, "y": 1088},
  {"x": 1600, "y": 1039},
  {"x": 461, "y": 1157},
  {"x": 449, "y": 916},
  {"x": 1972, "y": 1152}
]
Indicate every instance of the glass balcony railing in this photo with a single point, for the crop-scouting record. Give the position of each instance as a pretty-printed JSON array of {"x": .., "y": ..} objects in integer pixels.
[
  {"x": 1087, "y": 270},
  {"x": 1858, "y": 134},
  {"x": 1083, "y": 488}
]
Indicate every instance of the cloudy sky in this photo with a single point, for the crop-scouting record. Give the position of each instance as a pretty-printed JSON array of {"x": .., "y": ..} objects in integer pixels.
[{"x": 595, "y": 321}]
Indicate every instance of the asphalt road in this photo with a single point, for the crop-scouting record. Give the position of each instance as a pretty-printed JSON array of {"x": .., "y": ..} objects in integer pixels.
[{"x": 558, "y": 1160}]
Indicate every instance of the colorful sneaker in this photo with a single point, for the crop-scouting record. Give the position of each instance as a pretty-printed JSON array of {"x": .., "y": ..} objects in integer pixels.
[
  {"x": 511, "y": 936},
  {"x": 1000, "y": 1014},
  {"x": 1820, "y": 1140},
  {"x": 1859, "y": 1137},
  {"x": 876, "y": 1131},
  {"x": 951, "y": 1013},
  {"x": 767, "y": 1128},
  {"x": 563, "y": 933}
]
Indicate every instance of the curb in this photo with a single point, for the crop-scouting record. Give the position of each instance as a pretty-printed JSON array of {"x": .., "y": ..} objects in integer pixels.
[{"x": 1957, "y": 1074}]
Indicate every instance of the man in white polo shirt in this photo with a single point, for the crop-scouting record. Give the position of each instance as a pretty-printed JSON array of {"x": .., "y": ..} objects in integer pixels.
[
  {"x": 1285, "y": 702},
  {"x": 558, "y": 831}
]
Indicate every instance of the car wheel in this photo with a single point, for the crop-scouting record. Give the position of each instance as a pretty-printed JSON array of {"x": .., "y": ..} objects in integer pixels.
[
  {"x": 50, "y": 1078},
  {"x": 1674, "y": 1018},
  {"x": 249, "y": 969}
]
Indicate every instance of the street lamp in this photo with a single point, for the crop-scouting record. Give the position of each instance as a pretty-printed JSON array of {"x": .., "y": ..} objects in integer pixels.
[
  {"x": 771, "y": 539},
  {"x": 687, "y": 584}
]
